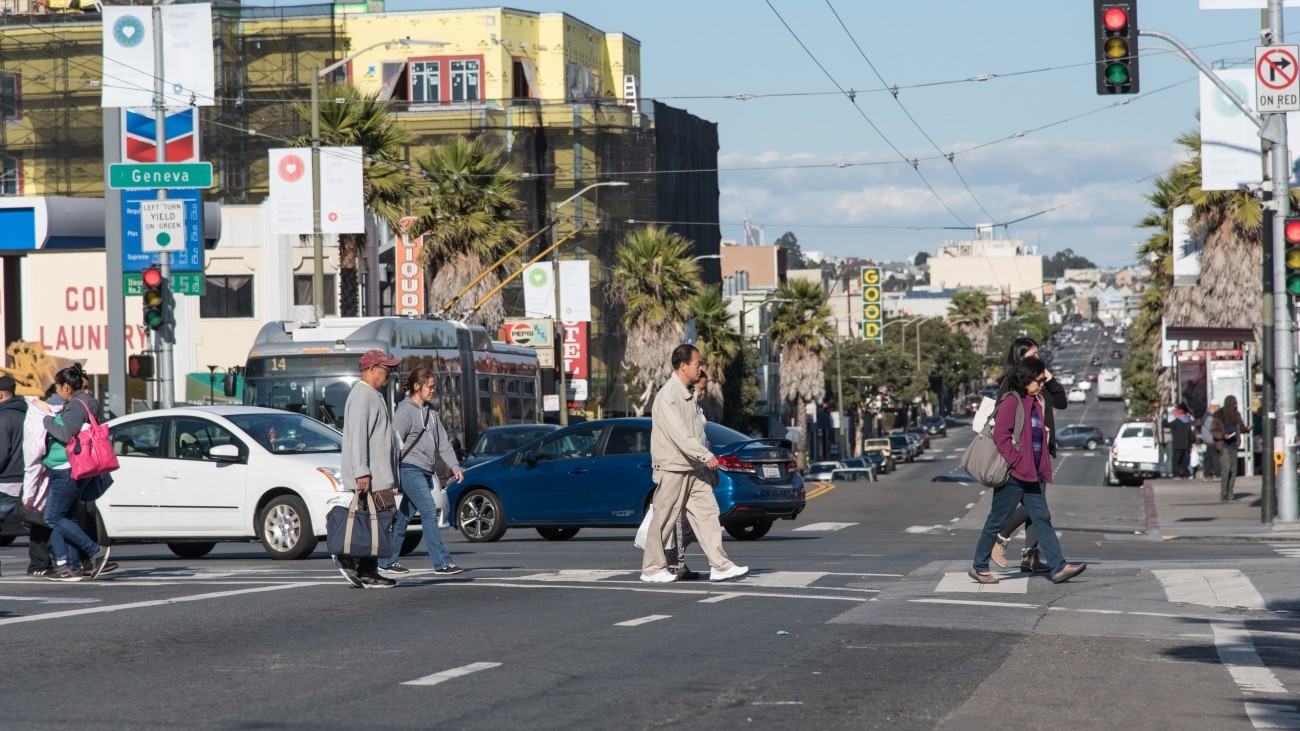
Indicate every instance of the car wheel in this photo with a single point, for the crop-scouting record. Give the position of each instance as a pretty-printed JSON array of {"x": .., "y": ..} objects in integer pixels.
[
  {"x": 480, "y": 518},
  {"x": 1091, "y": 445},
  {"x": 557, "y": 534},
  {"x": 285, "y": 528},
  {"x": 191, "y": 550},
  {"x": 412, "y": 541},
  {"x": 749, "y": 531}
]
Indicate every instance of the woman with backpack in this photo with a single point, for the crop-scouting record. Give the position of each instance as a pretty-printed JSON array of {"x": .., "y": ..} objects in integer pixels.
[
  {"x": 1227, "y": 430},
  {"x": 1021, "y": 435}
]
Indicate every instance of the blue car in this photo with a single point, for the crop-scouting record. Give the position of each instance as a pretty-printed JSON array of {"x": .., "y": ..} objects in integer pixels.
[{"x": 597, "y": 475}]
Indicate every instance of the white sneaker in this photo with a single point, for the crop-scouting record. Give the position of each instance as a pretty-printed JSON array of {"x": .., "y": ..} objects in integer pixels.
[
  {"x": 731, "y": 573},
  {"x": 663, "y": 577}
]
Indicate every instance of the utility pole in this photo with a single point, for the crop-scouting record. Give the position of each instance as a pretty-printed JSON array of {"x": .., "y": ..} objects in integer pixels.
[
  {"x": 1268, "y": 477},
  {"x": 317, "y": 240},
  {"x": 166, "y": 333}
]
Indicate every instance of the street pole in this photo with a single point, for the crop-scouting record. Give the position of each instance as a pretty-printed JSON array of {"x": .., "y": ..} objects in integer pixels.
[
  {"x": 563, "y": 388},
  {"x": 167, "y": 330},
  {"x": 839, "y": 397},
  {"x": 317, "y": 240},
  {"x": 1268, "y": 472}
]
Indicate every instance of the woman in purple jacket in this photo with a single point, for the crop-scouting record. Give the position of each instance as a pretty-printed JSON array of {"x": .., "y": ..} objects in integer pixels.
[{"x": 1031, "y": 470}]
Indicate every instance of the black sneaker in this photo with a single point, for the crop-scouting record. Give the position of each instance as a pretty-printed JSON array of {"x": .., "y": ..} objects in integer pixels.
[
  {"x": 349, "y": 573},
  {"x": 396, "y": 568},
  {"x": 685, "y": 574},
  {"x": 38, "y": 573},
  {"x": 63, "y": 573},
  {"x": 108, "y": 566},
  {"x": 377, "y": 582},
  {"x": 450, "y": 569},
  {"x": 99, "y": 561}
]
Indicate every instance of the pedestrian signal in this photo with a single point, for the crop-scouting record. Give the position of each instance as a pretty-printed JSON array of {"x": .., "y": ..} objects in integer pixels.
[
  {"x": 139, "y": 366},
  {"x": 1116, "y": 31}
]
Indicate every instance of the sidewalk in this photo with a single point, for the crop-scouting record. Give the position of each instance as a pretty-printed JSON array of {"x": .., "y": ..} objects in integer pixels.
[{"x": 1178, "y": 509}]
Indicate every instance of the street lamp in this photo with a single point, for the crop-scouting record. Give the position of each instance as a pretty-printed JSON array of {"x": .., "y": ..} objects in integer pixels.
[
  {"x": 317, "y": 239},
  {"x": 706, "y": 256},
  {"x": 896, "y": 322}
]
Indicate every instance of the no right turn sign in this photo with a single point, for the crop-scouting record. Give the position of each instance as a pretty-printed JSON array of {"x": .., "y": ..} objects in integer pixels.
[{"x": 1277, "y": 79}]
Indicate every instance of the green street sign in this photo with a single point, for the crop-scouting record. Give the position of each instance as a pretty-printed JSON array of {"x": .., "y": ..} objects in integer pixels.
[
  {"x": 160, "y": 175},
  {"x": 190, "y": 283}
]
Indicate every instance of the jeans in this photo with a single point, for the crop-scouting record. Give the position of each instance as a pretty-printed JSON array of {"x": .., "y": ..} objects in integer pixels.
[
  {"x": 1005, "y": 500},
  {"x": 417, "y": 492},
  {"x": 7, "y": 505},
  {"x": 60, "y": 511}
]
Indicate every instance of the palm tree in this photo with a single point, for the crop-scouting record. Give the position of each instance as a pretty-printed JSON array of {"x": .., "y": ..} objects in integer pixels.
[
  {"x": 800, "y": 330},
  {"x": 469, "y": 219},
  {"x": 972, "y": 305},
  {"x": 363, "y": 120},
  {"x": 718, "y": 342},
  {"x": 654, "y": 280}
]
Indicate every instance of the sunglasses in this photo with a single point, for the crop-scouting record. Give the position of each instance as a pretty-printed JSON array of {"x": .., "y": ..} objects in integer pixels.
[{"x": 1041, "y": 381}]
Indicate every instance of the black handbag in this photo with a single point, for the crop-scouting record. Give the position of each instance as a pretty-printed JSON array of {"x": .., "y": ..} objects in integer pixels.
[{"x": 358, "y": 532}]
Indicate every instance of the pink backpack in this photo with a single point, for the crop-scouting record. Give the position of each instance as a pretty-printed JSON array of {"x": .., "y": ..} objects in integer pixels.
[{"x": 90, "y": 453}]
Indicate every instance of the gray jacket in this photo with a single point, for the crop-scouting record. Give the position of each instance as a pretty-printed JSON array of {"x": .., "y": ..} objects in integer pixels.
[
  {"x": 367, "y": 439},
  {"x": 423, "y": 449}
]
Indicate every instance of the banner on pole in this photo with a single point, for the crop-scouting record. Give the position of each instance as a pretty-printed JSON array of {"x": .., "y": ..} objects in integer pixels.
[
  {"x": 189, "y": 77},
  {"x": 290, "y": 199},
  {"x": 342, "y": 203}
]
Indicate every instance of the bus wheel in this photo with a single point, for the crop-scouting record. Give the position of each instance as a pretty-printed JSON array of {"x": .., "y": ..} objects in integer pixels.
[{"x": 479, "y": 516}]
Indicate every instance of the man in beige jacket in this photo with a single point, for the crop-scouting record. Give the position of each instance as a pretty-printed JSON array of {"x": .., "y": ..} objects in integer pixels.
[{"x": 680, "y": 454}]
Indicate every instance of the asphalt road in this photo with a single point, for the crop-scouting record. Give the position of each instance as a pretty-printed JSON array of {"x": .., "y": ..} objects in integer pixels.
[{"x": 856, "y": 616}]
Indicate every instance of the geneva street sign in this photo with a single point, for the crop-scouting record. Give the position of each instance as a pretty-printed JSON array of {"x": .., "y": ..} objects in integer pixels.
[{"x": 160, "y": 175}]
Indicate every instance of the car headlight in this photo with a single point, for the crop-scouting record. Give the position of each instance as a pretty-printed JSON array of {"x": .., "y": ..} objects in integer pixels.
[{"x": 334, "y": 476}]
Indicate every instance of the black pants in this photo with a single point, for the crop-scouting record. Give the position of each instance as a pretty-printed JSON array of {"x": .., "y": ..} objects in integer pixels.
[
  {"x": 1211, "y": 466},
  {"x": 1180, "y": 462},
  {"x": 1020, "y": 517}
]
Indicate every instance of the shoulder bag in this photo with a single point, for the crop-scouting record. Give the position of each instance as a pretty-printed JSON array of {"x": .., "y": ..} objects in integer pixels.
[
  {"x": 983, "y": 461},
  {"x": 357, "y": 532},
  {"x": 90, "y": 453}
]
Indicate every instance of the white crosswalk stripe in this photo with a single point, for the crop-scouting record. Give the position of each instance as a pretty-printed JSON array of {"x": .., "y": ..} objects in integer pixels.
[
  {"x": 959, "y": 582},
  {"x": 1211, "y": 588},
  {"x": 825, "y": 526},
  {"x": 1290, "y": 550}
]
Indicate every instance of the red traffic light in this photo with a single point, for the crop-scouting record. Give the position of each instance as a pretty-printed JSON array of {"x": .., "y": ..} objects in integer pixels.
[
  {"x": 1292, "y": 231},
  {"x": 152, "y": 277},
  {"x": 1115, "y": 19}
]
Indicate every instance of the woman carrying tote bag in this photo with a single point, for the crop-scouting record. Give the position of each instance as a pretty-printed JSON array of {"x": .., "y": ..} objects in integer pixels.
[{"x": 1031, "y": 470}]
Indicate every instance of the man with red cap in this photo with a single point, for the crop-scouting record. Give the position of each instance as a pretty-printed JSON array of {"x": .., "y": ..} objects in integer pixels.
[{"x": 367, "y": 461}]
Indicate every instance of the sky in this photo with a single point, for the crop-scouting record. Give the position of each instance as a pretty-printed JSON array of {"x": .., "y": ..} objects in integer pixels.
[{"x": 800, "y": 156}]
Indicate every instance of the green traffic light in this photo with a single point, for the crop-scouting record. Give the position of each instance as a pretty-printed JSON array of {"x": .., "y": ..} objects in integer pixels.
[
  {"x": 1293, "y": 285},
  {"x": 1116, "y": 73},
  {"x": 153, "y": 318}
]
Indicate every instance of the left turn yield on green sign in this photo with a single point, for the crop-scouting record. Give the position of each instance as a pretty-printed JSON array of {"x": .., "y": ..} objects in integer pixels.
[{"x": 162, "y": 226}]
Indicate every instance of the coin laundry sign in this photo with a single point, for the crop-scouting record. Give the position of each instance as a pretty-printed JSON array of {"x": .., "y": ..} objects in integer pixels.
[
  {"x": 1277, "y": 79},
  {"x": 162, "y": 225}
]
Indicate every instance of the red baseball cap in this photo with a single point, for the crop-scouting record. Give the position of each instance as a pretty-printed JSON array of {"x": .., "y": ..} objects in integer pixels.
[{"x": 377, "y": 357}]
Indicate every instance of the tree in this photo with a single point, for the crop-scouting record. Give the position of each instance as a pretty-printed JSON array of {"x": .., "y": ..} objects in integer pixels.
[
  {"x": 718, "y": 342},
  {"x": 740, "y": 390},
  {"x": 654, "y": 279},
  {"x": 1055, "y": 265},
  {"x": 794, "y": 254},
  {"x": 972, "y": 306},
  {"x": 800, "y": 329},
  {"x": 469, "y": 219},
  {"x": 363, "y": 120}
]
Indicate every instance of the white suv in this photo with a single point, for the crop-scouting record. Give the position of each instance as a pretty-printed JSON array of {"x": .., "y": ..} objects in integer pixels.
[{"x": 1134, "y": 455}]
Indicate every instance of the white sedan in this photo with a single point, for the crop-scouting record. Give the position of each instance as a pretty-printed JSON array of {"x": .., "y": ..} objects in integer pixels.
[
  {"x": 193, "y": 476},
  {"x": 1065, "y": 379},
  {"x": 1084, "y": 385},
  {"x": 1077, "y": 395}
]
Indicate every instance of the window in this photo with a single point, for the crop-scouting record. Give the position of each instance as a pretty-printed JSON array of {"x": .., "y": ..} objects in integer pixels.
[
  {"x": 464, "y": 81},
  {"x": 11, "y": 86},
  {"x": 628, "y": 440},
  {"x": 192, "y": 438},
  {"x": 425, "y": 81},
  {"x": 578, "y": 444},
  {"x": 227, "y": 296},
  {"x": 137, "y": 438},
  {"x": 302, "y": 292},
  {"x": 10, "y": 176}
]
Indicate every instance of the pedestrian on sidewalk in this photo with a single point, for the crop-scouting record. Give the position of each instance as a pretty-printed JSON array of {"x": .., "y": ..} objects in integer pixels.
[
  {"x": 1211, "y": 468},
  {"x": 1031, "y": 469},
  {"x": 1180, "y": 440},
  {"x": 367, "y": 461},
  {"x": 424, "y": 441},
  {"x": 13, "y": 411},
  {"x": 1228, "y": 430},
  {"x": 1054, "y": 397},
  {"x": 680, "y": 456}
]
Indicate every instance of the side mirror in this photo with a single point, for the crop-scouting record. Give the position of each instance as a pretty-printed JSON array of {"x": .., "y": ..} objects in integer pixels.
[
  {"x": 530, "y": 457},
  {"x": 225, "y": 453}
]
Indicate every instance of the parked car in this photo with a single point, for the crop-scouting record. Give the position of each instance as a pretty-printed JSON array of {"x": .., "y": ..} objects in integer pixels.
[
  {"x": 935, "y": 426},
  {"x": 922, "y": 434},
  {"x": 193, "y": 476},
  {"x": 1077, "y": 395},
  {"x": 498, "y": 440},
  {"x": 881, "y": 461},
  {"x": 1080, "y": 436},
  {"x": 821, "y": 471},
  {"x": 1134, "y": 455},
  {"x": 597, "y": 474},
  {"x": 880, "y": 444},
  {"x": 862, "y": 463},
  {"x": 919, "y": 441},
  {"x": 852, "y": 474},
  {"x": 902, "y": 447}
]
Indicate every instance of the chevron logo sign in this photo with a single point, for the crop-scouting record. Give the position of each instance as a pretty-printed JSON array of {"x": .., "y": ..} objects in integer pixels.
[{"x": 140, "y": 141}]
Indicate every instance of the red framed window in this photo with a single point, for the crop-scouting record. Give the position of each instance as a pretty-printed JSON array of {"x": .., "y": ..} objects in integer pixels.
[{"x": 445, "y": 79}]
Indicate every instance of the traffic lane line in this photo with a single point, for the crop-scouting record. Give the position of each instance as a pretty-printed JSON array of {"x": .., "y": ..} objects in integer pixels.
[
  {"x": 1237, "y": 653},
  {"x": 157, "y": 602},
  {"x": 821, "y": 489},
  {"x": 643, "y": 620},
  {"x": 459, "y": 672}
]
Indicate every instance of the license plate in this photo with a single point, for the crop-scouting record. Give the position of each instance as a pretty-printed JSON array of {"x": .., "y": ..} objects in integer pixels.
[
  {"x": 1148, "y": 466},
  {"x": 771, "y": 472}
]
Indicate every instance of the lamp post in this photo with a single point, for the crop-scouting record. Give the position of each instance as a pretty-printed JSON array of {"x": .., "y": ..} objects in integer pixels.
[
  {"x": 317, "y": 239},
  {"x": 559, "y": 313},
  {"x": 212, "y": 379},
  {"x": 904, "y": 323}
]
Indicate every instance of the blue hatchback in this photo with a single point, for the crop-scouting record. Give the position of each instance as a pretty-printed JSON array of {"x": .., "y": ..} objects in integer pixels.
[{"x": 597, "y": 475}]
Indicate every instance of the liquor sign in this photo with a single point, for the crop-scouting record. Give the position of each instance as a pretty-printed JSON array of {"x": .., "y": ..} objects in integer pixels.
[
  {"x": 873, "y": 314},
  {"x": 410, "y": 274}
]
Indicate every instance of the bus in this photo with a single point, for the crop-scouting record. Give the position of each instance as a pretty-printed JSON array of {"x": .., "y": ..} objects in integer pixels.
[{"x": 309, "y": 369}]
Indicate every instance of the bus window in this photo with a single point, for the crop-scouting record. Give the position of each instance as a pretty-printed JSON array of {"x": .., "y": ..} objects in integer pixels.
[
  {"x": 288, "y": 395},
  {"x": 516, "y": 410},
  {"x": 333, "y": 398}
]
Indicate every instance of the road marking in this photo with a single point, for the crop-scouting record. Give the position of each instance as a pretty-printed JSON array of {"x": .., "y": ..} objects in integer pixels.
[
  {"x": 951, "y": 456},
  {"x": 821, "y": 489},
  {"x": 972, "y": 602},
  {"x": 500, "y": 584},
  {"x": 1271, "y": 715},
  {"x": 719, "y": 598},
  {"x": 960, "y": 582},
  {"x": 922, "y": 528},
  {"x": 48, "y": 600},
  {"x": 777, "y": 703},
  {"x": 158, "y": 602},
  {"x": 1210, "y": 587},
  {"x": 643, "y": 620},
  {"x": 453, "y": 673},
  {"x": 825, "y": 526},
  {"x": 1238, "y": 655},
  {"x": 573, "y": 575},
  {"x": 1290, "y": 550},
  {"x": 783, "y": 579},
  {"x": 970, "y": 505}
]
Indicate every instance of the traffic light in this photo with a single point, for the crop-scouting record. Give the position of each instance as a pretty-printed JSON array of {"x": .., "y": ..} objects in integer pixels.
[
  {"x": 139, "y": 366},
  {"x": 1291, "y": 230},
  {"x": 154, "y": 297},
  {"x": 1116, "y": 30}
]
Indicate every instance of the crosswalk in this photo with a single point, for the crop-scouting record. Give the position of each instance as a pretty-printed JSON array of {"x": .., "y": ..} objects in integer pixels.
[{"x": 1290, "y": 550}]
